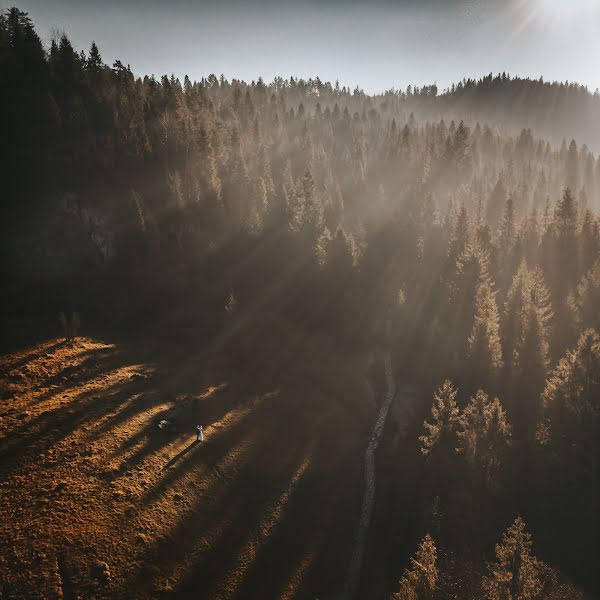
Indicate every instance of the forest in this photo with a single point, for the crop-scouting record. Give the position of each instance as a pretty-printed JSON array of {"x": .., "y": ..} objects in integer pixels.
[{"x": 470, "y": 215}]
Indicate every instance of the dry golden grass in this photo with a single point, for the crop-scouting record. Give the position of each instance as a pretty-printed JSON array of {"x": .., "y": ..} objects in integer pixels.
[{"x": 98, "y": 502}]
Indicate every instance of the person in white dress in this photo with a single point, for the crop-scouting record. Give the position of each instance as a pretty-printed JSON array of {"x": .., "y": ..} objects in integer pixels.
[{"x": 200, "y": 436}]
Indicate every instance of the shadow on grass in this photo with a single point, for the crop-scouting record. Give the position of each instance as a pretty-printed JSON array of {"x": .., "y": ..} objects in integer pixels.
[
  {"x": 97, "y": 395},
  {"x": 221, "y": 542},
  {"x": 181, "y": 454},
  {"x": 33, "y": 354}
]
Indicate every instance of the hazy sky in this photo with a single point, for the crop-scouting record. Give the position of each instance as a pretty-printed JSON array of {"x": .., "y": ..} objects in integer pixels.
[{"x": 377, "y": 44}]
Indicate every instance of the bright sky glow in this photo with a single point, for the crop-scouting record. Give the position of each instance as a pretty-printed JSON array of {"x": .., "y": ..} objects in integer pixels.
[
  {"x": 581, "y": 17},
  {"x": 568, "y": 8}
]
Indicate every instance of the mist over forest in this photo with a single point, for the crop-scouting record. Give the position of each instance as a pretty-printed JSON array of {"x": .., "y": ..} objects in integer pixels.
[{"x": 300, "y": 231}]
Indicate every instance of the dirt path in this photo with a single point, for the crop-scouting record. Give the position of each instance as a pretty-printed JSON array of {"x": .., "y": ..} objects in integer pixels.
[{"x": 356, "y": 561}]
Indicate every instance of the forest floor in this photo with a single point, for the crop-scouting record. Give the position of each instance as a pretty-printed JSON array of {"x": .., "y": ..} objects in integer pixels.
[{"x": 97, "y": 502}]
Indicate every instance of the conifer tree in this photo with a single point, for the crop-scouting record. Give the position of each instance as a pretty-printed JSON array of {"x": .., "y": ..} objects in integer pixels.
[
  {"x": 314, "y": 213},
  {"x": 292, "y": 200},
  {"x": 267, "y": 176},
  {"x": 441, "y": 437},
  {"x": 571, "y": 399},
  {"x": 526, "y": 321},
  {"x": 572, "y": 167},
  {"x": 258, "y": 208},
  {"x": 530, "y": 235},
  {"x": 507, "y": 229},
  {"x": 94, "y": 60},
  {"x": 513, "y": 315},
  {"x": 496, "y": 203},
  {"x": 584, "y": 304},
  {"x": 484, "y": 437},
  {"x": 459, "y": 236},
  {"x": 420, "y": 581},
  {"x": 589, "y": 242},
  {"x": 515, "y": 575},
  {"x": 484, "y": 347},
  {"x": 565, "y": 220}
]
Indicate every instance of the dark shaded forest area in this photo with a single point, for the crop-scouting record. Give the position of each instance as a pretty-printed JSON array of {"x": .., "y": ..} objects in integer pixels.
[{"x": 169, "y": 207}]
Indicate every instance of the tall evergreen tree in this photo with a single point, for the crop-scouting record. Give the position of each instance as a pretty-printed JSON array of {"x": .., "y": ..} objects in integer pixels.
[
  {"x": 585, "y": 302},
  {"x": 440, "y": 441},
  {"x": 420, "y": 581},
  {"x": 484, "y": 437},
  {"x": 484, "y": 347},
  {"x": 515, "y": 575}
]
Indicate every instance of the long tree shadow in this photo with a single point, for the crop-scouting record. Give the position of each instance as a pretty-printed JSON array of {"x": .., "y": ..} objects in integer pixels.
[
  {"x": 311, "y": 518},
  {"x": 33, "y": 355},
  {"x": 212, "y": 449},
  {"x": 183, "y": 414},
  {"x": 90, "y": 363},
  {"x": 270, "y": 439},
  {"x": 232, "y": 493},
  {"x": 320, "y": 518},
  {"x": 51, "y": 426},
  {"x": 185, "y": 379},
  {"x": 89, "y": 394}
]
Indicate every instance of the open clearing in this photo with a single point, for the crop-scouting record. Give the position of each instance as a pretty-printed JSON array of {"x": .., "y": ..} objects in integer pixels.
[{"x": 98, "y": 502}]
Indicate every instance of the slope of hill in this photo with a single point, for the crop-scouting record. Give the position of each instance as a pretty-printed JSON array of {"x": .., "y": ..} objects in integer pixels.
[{"x": 100, "y": 502}]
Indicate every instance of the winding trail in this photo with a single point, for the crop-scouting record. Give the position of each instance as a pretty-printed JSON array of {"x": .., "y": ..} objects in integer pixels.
[{"x": 360, "y": 540}]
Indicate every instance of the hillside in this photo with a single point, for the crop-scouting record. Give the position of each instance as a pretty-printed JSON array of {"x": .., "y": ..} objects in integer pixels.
[{"x": 102, "y": 503}]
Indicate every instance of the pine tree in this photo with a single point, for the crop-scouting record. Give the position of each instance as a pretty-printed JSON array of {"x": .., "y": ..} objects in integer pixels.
[
  {"x": 533, "y": 348},
  {"x": 258, "y": 208},
  {"x": 530, "y": 235},
  {"x": 589, "y": 242},
  {"x": 496, "y": 203},
  {"x": 513, "y": 316},
  {"x": 441, "y": 437},
  {"x": 94, "y": 61},
  {"x": 515, "y": 575},
  {"x": 571, "y": 399},
  {"x": 293, "y": 200},
  {"x": 484, "y": 437},
  {"x": 420, "y": 581},
  {"x": 314, "y": 213},
  {"x": 507, "y": 231},
  {"x": 470, "y": 271},
  {"x": 484, "y": 347},
  {"x": 459, "y": 236},
  {"x": 526, "y": 321},
  {"x": 572, "y": 167},
  {"x": 461, "y": 149},
  {"x": 565, "y": 220},
  {"x": 267, "y": 177},
  {"x": 584, "y": 304}
]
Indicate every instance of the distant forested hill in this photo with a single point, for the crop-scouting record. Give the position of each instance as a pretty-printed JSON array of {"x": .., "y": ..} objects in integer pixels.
[{"x": 555, "y": 111}]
